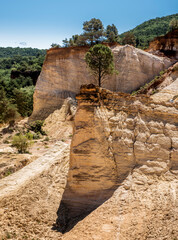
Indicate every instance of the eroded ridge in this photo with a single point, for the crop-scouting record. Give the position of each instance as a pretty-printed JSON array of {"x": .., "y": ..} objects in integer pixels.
[{"x": 114, "y": 134}]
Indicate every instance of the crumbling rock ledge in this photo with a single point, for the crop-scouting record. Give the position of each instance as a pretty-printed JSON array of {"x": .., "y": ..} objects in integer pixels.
[{"x": 115, "y": 133}]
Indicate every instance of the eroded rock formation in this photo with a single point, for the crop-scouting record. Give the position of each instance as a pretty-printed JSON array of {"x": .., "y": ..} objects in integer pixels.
[
  {"x": 168, "y": 44},
  {"x": 115, "y": 134},
  {"x": 65, "y": 70},
  {"x": 162, "y": 83}
]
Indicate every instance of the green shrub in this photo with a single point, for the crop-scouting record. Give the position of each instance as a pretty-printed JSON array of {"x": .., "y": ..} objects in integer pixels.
[
  {"x": 29, "y": 135},
  {"x": 21, "y": 143},
  {"x": 37, "y": 127},
  {"x": 161, "y": 73},
  {"x": 46, "y": 139},
  {"x": 37, "y": 135}
]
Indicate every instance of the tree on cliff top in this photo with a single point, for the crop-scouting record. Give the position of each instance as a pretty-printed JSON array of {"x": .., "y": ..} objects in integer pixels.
[
  {"x": 112, "y": 33},
  {"x": 129, "y": 38},
  {"x": 101, "y": 62},
  {"x": 93, "y": 30}
]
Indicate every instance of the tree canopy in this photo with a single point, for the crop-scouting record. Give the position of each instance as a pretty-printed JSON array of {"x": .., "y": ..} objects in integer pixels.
[
  {"x": 174, "y": 23},
  {"x": 100, "y": 60},
  {"x": 147, "y": 31},
  {"x": 111, "y": 33},
  {"x": 25, "y": 52},
  {"x": 129, "y": 38},
  {"x": 16, "y": 92},
  {"x": 55, "y": 45},
  {"x": 93, "y": 33},
  {"x": 93, "y": 30}
]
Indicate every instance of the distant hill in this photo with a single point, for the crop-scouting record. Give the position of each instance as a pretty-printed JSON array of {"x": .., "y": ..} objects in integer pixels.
[
  {"x": 150, "y": 29},
  {"x": 24, "y": 52}
]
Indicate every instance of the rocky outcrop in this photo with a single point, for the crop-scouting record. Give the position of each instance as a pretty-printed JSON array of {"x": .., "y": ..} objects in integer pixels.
[
  {"x": 169, "y": 93},
  {"x": 30, "y": 197},
  {"x": 143, "y": 207},
  {"x": 65, "y": 70},
  {"x": 161, "y": 83},
  {"x": 113, "y": 135},
  {"x": 168, "y": 45},
  {"x": 59, "y": 124}
]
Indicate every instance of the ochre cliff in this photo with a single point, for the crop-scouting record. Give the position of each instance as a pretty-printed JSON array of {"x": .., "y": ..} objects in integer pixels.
[
  {"x": 114, "y": 135},
  {"x": 168, "y": 44},
  {"x": 65, "y": 70}
]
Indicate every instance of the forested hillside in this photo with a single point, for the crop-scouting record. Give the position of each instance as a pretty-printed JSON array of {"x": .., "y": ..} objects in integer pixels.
[
  {"x": 147, "y": 31},
  {"x": 19, "y": 69},
  {"x": 12, "y": 52},
  {"x": 94, "y": 32}
]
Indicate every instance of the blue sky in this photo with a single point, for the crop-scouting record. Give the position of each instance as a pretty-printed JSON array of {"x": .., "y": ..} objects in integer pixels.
[{"x": 38, "y": 23}]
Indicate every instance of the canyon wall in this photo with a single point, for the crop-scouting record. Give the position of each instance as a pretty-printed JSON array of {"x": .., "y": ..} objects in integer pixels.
[
  {"x": 65, "y": 70},
  {"x": 113, "y": 135}
]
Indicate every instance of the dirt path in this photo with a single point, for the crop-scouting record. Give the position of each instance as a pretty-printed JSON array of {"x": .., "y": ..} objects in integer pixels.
[{"x": 29, "y": 198}]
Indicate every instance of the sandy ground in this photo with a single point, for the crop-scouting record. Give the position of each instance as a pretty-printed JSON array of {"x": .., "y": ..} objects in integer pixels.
[
  {"x": 29, "y": 198},
  {"x": 11, "y": 161},
  {"x": 31, "y": 185}
]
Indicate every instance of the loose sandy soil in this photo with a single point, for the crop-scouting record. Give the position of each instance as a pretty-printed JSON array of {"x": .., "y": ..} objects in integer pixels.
[
  {"x": 29, "y": 198},
  {"x": 32, "y": 184},
  {"x": 11, "y": 161}
]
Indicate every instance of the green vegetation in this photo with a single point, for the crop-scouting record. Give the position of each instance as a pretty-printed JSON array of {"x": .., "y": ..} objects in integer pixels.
[
  {"x": 22, "y": 52},
  {"x": 112, "y": 33},
  {"x": 46, "y": 139},
  {"x": 8, "y": 110},
  {"x": 173, "y": 24},
  {"x": 147, "y": 31},
  {"x": 21, "y": 63},
  {"x": 19, "y": 68},
  {"x": 24, "y": 100},
  {"x": 152, "y": 84},
  {"x": 21, "y": 142},
  {"x": 29, "y": 135},
  {"x": 9, "y": 172},
  {"x": 32, "y": 135},
  {"x": 93, "y": 33},
  {"x": 36, "y": 127},
  {"x": 55, "y": 45},
  {"x": 129, "y": 38},
  {"x": 100, "y": 60},
  {"x": 140, "y": 36}
]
